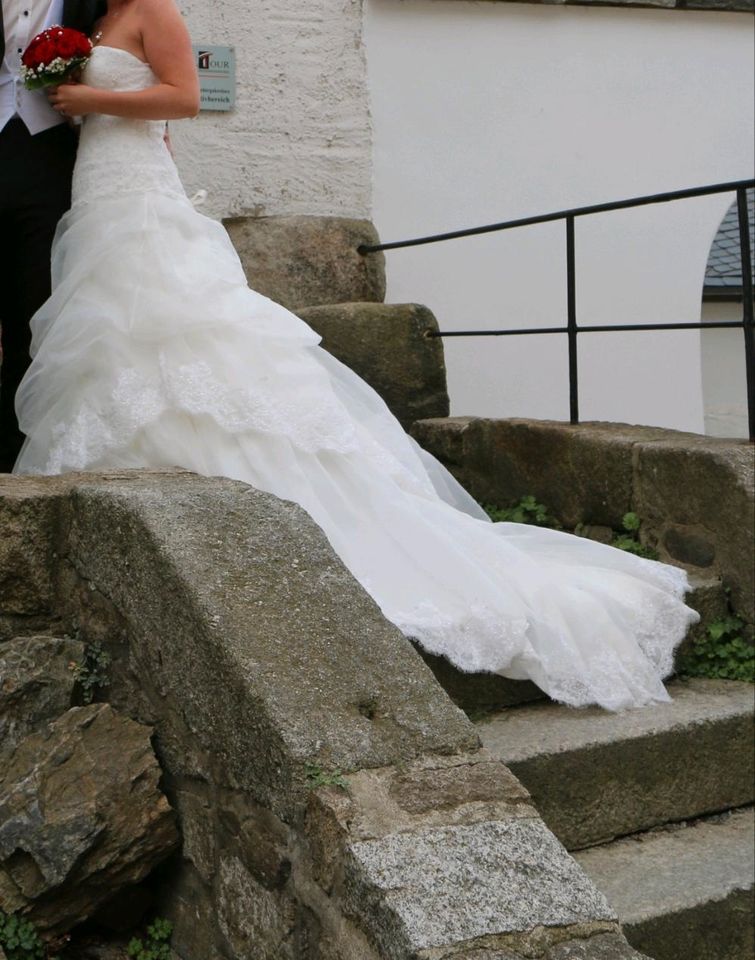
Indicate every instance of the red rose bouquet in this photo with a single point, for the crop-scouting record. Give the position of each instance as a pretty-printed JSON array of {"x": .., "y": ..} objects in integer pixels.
[{"x": 53, "y": 56}]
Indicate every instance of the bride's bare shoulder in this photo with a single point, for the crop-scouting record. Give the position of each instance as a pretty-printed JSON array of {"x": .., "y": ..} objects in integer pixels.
[
  {"x": 162, "y": 12},
  {"x": 162, "y": 27}
]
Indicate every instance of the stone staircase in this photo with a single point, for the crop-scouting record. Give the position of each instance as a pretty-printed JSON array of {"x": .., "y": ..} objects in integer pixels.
[
  {"x": 652, "y": 803},
  {"x": 683, "y": 892},
  {"x": 332, "y": 801}
]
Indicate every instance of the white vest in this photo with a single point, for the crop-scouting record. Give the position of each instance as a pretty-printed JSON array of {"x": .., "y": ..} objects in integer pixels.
[{"x": 23, "y": 20}]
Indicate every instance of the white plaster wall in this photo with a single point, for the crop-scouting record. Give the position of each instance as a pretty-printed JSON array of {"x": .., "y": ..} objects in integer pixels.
[
  {"x": 298, "y": 141},
  {"x": 491, "y": 111},
  {"x": 724, "y": 378}
]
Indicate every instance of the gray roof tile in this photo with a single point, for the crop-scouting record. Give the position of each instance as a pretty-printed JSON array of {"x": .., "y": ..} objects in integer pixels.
[{"x": 724, "y": 263}]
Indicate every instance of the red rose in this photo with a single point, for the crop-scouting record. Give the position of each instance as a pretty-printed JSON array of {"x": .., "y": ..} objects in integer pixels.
[{"x": 57, "y": 43}]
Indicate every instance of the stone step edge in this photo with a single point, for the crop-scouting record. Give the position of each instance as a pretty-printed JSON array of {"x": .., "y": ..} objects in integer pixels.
[
  {"x": 595, "y": 776},
  {"x": 666, "y": 904},
  {"x": 726, "y": 831},
  {"x": 555, "y": 728}
]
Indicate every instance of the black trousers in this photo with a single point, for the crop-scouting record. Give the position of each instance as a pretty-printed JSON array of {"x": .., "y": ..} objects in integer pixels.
[{"x": 35, "y": 190}]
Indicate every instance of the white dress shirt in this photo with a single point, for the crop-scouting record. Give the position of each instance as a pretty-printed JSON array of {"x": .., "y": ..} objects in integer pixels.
[{"x": 23, "y": 20}]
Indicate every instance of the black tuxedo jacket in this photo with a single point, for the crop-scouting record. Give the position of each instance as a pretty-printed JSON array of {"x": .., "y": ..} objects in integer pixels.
[{"x": 79, "y": 14}]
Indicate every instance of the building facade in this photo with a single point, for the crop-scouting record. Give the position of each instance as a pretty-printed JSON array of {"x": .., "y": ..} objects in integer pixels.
[{"x": 433, "y": 115}]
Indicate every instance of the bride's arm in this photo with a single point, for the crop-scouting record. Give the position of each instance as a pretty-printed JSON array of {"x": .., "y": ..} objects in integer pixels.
[{"x": 167, "y": 49}]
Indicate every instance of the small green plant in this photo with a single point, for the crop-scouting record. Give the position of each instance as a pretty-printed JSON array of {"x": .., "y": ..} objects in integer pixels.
[
  {"x": 527, "y": 510},
  {"x": 20, "y": 940},
  {"x": 721, "y": 652},
  {"x": 317, "y": 777},
  {"x": 93, "y": 672},
  {"x": 156, "y": 946},
  {"x": 629, "y": 538}
]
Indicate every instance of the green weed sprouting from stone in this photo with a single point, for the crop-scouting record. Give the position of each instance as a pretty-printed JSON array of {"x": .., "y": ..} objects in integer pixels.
[
  {"x": 629, "y": 538},
  {"x": 156, "y": 946},
  {"x": 317, "y": 777},
  {"x": 722, "y": 652},
  {"x": 527, "y": 510},
  {"x": 92, "y": 674},
  {"x": 20, "y": 940}
]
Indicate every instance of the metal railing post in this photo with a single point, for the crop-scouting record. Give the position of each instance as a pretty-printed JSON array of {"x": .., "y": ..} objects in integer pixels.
[
  {"x": 571, "y": 321},
  {"x": 747, "y": 318}
]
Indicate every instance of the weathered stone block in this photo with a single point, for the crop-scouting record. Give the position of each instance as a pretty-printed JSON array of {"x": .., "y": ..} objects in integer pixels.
[
  {"x": 190, "y": 904},
  {"x": 604, "y": 946},
  {"x": 583, "y": 473},
  {"x": 709, "y": 598},
  {"x": 739, "y": 6},
  {"x": 686, "y": 892},
  {"x": 437, "y": 787},
  {"x": 257, "y": 923},
  {"x": 37, "y": 680},
  {"x": 27, "y": 522},
  {"x": 390, "y": 347},
  {"x": 308, "y": 261},
  {"x": 233, "y": 582},
  {"x": 259, "y": 839},
  {"x": 600, "y": 946},
  {"x": 721, "y": 928},
  {"x": 198, "y": 826},
  {"x": 689, "y": 547},
  {"x": 443, "y": 886},
  {"x": 81, "y": 816},
  {"x": 430, "y": 792},
  {"x": 448, "y": 439},
  {"x": 698, "y": 496},
  {"x": 595, "y": 775}
]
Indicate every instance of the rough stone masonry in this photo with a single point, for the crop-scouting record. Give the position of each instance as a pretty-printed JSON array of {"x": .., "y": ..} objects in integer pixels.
[{"x": 333, "y": 802}]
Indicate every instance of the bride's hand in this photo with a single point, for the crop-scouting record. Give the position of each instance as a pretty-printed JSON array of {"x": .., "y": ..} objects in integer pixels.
[{"x": 72, "y": 99}]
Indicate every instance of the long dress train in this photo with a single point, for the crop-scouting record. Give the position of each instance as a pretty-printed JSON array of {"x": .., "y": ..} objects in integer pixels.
[{"x": 153, "y": 351}]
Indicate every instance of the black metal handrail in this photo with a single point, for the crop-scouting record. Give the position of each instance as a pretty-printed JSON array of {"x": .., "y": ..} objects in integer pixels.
[{"x": 572, "y": 329}]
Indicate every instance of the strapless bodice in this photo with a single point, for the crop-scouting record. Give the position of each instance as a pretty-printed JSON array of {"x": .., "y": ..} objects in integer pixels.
[{"x": 118, "y": 155}]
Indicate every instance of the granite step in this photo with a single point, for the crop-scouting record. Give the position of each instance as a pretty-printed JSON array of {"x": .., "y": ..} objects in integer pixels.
[
  {"x": 682, "y": 892},
  {"x": 595, "y": 775}
]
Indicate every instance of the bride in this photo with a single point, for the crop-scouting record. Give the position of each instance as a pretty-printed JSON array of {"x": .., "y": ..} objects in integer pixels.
[{"x": 152, "y": 351}]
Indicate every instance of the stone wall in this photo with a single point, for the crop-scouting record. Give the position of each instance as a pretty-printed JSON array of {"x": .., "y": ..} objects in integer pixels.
[
  {"x": 693, "y": 494},
  {"x": 299, "y": 138},
  {"x": 334, "y": 804}
]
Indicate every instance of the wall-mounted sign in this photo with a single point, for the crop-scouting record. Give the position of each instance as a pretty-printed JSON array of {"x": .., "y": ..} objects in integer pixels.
[{"x": 217, "y": 76}]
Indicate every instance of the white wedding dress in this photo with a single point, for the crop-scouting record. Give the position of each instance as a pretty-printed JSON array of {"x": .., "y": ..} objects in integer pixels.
[{"x": 152, "y": 351}]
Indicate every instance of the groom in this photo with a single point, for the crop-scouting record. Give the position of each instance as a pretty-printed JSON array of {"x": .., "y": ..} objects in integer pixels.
[{"x": 37, "y": 151}]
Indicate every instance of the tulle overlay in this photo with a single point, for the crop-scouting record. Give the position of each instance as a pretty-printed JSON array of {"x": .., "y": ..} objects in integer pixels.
[{"x": 153, "y": 351}]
